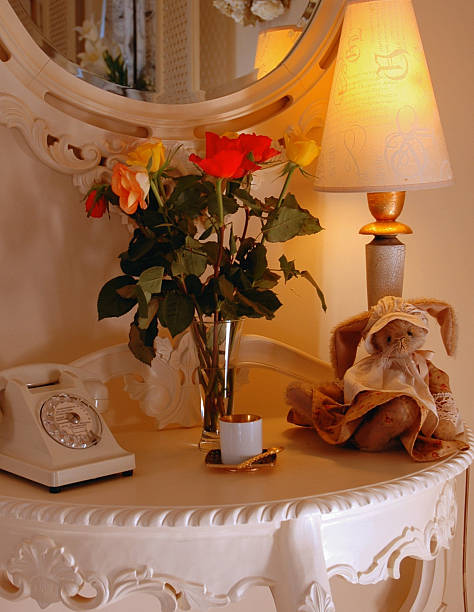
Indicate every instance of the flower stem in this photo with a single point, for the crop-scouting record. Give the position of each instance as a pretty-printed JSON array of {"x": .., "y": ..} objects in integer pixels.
[
  {"x": 220, "y": 203},
  {"x": 161, "y": 188},
  {"x": 291, "y": 169},
  {"x": 157, "y": 195},
  {"x": 246, "y": 225}
]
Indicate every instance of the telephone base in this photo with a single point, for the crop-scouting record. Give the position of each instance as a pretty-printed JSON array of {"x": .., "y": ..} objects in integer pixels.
[
  {"x": 56, "y": 478},
  {"x": 59, "y": 489}
]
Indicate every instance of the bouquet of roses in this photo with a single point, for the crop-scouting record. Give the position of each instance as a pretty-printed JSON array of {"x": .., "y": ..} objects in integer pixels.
[{"x": 191, "y": 256}]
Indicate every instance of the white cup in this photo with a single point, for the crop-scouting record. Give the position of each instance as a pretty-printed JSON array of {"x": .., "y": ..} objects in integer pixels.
[{"x": 240, "y": 437}]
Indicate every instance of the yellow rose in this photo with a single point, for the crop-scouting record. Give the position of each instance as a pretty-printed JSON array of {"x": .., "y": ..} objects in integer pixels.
[
  {"x": 300, "y": 149},
  {"x": 141, "y": 155}
]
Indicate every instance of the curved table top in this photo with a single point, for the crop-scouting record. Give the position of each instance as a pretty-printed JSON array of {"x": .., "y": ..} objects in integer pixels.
[{"x": 172, "y": 486}]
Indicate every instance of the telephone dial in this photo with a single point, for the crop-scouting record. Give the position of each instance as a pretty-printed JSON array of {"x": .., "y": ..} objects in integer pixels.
[{"x": 51, "y": 429}]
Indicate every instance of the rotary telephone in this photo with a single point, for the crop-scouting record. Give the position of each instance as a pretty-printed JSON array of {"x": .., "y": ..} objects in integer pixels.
[{"x": 51, "y": 429}]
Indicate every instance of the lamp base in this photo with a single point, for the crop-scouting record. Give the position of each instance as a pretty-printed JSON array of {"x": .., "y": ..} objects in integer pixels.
[{"x": 385, "y": 262}]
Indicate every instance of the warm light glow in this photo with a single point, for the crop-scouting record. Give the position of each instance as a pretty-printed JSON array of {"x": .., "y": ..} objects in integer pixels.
[
  {"x": 273, "y": 46},
  {"x": 382, "y": 131}
]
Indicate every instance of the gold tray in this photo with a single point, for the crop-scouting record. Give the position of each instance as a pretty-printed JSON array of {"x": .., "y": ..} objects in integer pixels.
[{"x": 214, "y": 461}]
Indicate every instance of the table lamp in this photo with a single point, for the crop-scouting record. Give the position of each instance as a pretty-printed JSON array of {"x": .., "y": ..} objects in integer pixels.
[{"x": 382, "y": 133}]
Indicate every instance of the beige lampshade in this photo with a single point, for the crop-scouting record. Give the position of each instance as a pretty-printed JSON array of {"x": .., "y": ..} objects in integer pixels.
[
  {"x": 273, "y": 45},
  {"x": 382, "y": 131}
]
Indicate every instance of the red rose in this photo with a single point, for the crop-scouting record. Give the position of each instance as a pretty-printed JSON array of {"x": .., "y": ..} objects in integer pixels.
[
  {"x": 234, "y": 157},
  {"x": 95, "y": 205},
  {"x": 223, "y": 157},
  {"x": 258, "y": 146}
]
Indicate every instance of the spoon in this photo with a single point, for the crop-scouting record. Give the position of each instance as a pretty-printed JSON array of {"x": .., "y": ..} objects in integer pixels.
[{"x": 248, "y": 462}]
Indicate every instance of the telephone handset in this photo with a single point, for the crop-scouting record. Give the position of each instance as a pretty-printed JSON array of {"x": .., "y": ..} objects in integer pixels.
[{"x": 51, "y": 429}]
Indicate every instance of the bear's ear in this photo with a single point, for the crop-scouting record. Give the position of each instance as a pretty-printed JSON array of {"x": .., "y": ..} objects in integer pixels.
[
  {"x": 344, "y": 341},
  {"x": 446, "y": 317}
]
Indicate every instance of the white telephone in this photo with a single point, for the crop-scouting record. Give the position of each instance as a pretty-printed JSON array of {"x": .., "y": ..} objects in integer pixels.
[{"x": 51, "y": 429}]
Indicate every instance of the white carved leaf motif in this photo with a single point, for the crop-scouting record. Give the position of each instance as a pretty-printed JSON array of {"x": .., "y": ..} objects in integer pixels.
[
  {"x": 44, "y": 571},
  {"x": 167, "y": 390},
  {"x": 317, "y": 600}
]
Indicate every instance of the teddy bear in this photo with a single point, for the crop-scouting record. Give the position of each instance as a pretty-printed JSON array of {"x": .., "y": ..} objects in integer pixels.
[{"x": 394, "y": 394}]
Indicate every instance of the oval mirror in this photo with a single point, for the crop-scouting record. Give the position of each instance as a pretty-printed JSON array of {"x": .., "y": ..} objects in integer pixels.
[
  {"x": 177, "y": 83},
  {"x": 167, "y": 51}
]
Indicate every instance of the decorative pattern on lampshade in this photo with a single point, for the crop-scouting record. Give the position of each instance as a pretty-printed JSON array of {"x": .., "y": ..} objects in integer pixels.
[{"x": 382, "y": 130}]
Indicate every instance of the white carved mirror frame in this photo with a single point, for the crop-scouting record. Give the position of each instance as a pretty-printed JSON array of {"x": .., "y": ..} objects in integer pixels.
[{"x": 78, "y": 129}]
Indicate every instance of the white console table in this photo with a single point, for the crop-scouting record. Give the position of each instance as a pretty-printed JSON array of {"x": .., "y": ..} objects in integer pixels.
[{"x": 190, "y": 535}]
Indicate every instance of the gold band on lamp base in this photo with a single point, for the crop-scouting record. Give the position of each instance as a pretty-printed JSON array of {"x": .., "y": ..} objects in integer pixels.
[
  {"x": 385, "y": 207},
  {"x": 385, "y": 255}
]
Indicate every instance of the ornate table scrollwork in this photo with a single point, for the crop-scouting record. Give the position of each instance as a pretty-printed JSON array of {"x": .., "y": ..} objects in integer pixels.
[
  {"x": 423, "y": 544},
  {"x": 46, "y": 572}
]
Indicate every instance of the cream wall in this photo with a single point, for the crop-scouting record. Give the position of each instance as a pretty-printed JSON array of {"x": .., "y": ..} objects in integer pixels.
[{"x": 54, "y": 260}]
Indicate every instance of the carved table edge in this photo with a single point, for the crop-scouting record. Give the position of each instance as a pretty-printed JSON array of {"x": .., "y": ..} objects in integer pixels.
[{"x": 238, "y": 514}]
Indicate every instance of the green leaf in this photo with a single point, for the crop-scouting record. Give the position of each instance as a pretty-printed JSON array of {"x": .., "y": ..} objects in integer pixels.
[
  {"x": 255, "y": 205},
  {"x": 176, "y": 312},
  {"x": 230, "y": 205},
  {"x": 256, "y": 262},
  {"x": 141, "y": 343},
  {"x": 244, "y": 248},
  {"x": 283, "y": 225},
  {"x": 206, "y": 233},
  {"x": 232, "y": 242},
  {"x": 150, "y": 280},
  {"x": 152, "y": 218},
  {"x": 193, "y": 285},
  {"x": 135, "y": 268},
  {"x": 112, "y": 304},
  {"x": 128, "y": 291},
  {"x": 218, "y": 330},
  {"x": 194, "y": 258},
  {"x": 151, "y": 310},
  {"x": 290, "y": 220},
  {"x": 239, "y": 279},
  {"x": 177, "y": 266},
  {"x": 271, "y": 202},
  {"x": 264, "y": 303},
  {"x": 229, "y": 309},
  {"x": 207, "y": 299},
  {"x": 116, "y": 69},
  {"x": 226, "y": 287},
  {"x": 143, "y": 299},
  {"x": 267, "y": 281},
  {"x": 244, "y": 195},
  {"x": 189, "y": 261},
  {"x": 305, "y": 274},
  {"x": 140, "y": 245},
  {"x": 310, "y": 225},
  {"x": 288, "y": 268},
  {"x": 211, "y": 249},
  {"x": 147, "y": 307}
]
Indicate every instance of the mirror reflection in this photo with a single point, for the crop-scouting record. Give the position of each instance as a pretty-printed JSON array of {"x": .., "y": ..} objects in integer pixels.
[{"x": 167, "y": 51}]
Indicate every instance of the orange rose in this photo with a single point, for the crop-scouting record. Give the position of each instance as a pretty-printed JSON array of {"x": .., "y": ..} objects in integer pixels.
[{"x": 131, "y": 186}]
